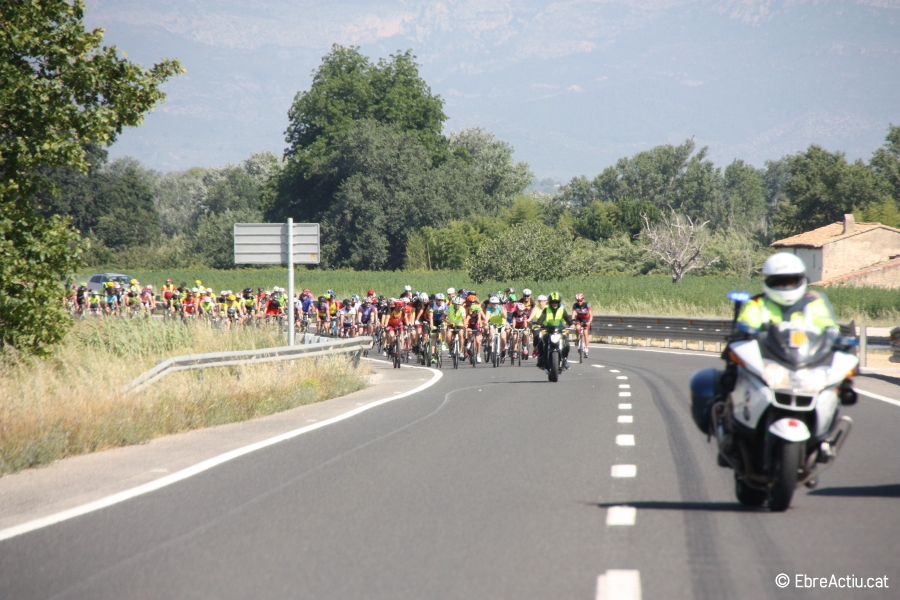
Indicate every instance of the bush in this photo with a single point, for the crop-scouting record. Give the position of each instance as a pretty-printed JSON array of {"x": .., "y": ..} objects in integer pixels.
[{"x": 529, "y": 250}]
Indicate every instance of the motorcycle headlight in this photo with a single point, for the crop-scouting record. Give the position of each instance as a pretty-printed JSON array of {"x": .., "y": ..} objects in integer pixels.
[
  {"x": 804, "y": 380},
  {"x": 776, "y": 376},
  {"x": 554, "y": 337}
]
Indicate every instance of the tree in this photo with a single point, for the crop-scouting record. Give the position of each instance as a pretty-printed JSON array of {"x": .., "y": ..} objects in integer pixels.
[
  {"x": 213, "y": 241},
  {"x": 886, "y": 161},
  {"x": 492, "y": 160},
  {"x": 677, "y": 242},
  {"x": 126, "y": 213},
  {"x": 348, "y": 88},
  {"x": 525, "y": 251},
  {"x": 60, "y": 93},
  {"x": 823, "y": 187},
  {"x": 744, "y": 196}
]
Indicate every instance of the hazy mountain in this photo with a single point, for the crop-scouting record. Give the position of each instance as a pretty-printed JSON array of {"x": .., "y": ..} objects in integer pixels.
[{"x": 572, "y": 85}]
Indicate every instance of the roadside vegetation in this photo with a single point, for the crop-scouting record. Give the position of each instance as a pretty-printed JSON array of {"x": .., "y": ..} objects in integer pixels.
[{"x": 72, "y": 403}]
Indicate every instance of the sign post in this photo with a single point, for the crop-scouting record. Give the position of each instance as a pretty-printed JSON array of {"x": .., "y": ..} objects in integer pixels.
[{"x": 278, "y": 244}]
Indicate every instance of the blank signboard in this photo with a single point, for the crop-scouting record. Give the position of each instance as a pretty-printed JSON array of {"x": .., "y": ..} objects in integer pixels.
[{"x": 266, "y": 243}]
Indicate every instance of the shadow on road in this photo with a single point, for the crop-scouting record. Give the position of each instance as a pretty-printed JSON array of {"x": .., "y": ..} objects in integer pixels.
[
  {"x": 701, "y": 506},
  {"x": 891, "y": 490}
]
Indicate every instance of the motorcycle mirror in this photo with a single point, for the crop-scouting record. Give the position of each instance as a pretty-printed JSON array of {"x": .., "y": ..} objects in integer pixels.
[
  {"x": 847, "y": 341},
  {"x": 739, "y": 296}
]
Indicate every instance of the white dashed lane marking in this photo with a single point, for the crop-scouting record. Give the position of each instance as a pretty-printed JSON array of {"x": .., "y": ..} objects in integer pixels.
[
  {"x": 624, "y": 386},
  {"x": 619, "y": 584},
  {"x": 624, "y": 394},
  {"x": 624, "y": 406},
  {"x": 625, "y": 440},
  {"x": 621, "y": 377},
  {"x": 620, "y": 515},
  {"x": 614, "y": 371},
  {"x": 624, "y": 471},
  {"x": 598, "y": 366},
  {"x": 626, "y": 419}
]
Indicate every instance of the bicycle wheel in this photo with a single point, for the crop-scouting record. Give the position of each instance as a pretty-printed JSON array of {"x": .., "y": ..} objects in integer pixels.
[
  {"x": 580, "y": 350},
  {"x": 454, "y": 351}
]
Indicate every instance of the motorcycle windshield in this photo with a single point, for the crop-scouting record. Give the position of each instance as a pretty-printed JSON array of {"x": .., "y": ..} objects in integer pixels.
[{"x": 797, "y": 344}]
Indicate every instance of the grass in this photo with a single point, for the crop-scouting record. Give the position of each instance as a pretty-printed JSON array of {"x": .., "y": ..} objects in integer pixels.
[
  {"x": 72, "y": 403},
  {"x": 647, "y": 294}
]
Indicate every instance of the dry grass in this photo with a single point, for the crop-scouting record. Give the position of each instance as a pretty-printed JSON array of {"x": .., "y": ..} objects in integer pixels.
[{"x": 73, "y": 404}]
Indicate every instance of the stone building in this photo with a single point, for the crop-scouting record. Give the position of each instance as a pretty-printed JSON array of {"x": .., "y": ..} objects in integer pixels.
[{"x": 848, "y": 253}]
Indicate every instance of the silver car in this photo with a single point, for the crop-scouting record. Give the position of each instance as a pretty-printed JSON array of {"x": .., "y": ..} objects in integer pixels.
[{"x": 97, "y": 282}]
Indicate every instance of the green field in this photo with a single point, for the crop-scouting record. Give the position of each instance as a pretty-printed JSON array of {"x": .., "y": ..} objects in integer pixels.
[{"x": 647, "y": 294}]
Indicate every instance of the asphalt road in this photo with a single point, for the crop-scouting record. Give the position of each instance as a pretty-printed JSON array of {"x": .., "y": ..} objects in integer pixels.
[{"x": 493, "y": 483}]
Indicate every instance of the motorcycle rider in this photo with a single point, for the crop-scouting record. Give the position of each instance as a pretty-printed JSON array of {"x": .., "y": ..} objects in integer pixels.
[
  {"x": 785, "y": 298},
  {"x": 554, "y": 315}
]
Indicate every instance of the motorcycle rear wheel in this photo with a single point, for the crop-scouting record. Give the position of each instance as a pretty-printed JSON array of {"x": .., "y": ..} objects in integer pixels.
[{"x": 787, "y": 466}]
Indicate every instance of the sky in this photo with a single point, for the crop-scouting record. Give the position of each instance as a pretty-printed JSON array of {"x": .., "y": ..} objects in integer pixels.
[{"x": 572, "y": 85}]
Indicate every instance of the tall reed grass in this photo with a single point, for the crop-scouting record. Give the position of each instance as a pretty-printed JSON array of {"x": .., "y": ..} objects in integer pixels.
[{"x": 72, "y": 403}]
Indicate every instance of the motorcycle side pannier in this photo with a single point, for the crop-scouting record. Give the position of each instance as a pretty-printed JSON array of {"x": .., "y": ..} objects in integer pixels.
[{"x": 705, "y": 388}]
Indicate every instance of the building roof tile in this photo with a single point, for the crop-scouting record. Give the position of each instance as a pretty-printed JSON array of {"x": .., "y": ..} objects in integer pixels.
[{"x": 826, "y": 235}]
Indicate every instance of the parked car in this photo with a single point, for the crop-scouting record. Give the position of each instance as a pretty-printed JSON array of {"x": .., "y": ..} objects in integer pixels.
[{"x": 98, "y": 282}]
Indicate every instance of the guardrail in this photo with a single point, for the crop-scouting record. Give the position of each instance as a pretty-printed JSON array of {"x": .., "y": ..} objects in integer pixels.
[
  {"x": 673, "y": 328},
  {"x": 313, "y": 346}
]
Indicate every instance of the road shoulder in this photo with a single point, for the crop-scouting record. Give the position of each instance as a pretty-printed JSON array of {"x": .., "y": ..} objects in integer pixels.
[{"x": 72, "y": 482}]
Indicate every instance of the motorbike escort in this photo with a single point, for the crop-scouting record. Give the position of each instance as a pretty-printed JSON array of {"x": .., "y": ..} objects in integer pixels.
[
  {"x": 555, "y": 339},
  {"x": 781, "y": 426}
]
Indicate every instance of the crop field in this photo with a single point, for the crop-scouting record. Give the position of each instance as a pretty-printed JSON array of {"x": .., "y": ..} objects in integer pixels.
[{"x": 648, "y": 294}]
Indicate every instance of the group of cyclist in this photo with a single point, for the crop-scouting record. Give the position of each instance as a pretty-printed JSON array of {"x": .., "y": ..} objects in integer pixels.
[{"x": 418, "y": 317}]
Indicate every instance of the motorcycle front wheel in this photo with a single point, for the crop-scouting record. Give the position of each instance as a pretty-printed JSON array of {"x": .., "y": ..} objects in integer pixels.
[
  {"x": 553, "y": 367},
  {"x": 787, "y": 466},
  {"x": 747, "y": 495}
]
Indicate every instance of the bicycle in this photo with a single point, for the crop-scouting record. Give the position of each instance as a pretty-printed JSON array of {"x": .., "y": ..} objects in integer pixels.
[
  {"x": 581, "y": 332},
  {"x": 454, "y": 347},
  {"x": 494, "y": 352}
]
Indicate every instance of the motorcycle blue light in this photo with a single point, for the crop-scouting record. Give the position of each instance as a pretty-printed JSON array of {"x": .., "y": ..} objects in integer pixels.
[{"x": 739, "y": 296}]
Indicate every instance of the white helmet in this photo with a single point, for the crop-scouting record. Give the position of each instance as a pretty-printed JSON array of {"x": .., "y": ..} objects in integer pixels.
[
  {"x": 451, "y": 291},
  {"x": 784, "y": 278},
  {"x": 423, "y": 297},
  {"x": 439, "y": 297},
  {"x": 406, "y": 288},
  {"x": 457, "y": 300},
  {"x": 526, "y": 292},
  {"x": 542, "y": 298}
]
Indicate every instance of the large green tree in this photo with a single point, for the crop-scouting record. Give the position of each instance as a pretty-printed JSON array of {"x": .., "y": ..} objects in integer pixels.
[{"x": 59, "y": 93}]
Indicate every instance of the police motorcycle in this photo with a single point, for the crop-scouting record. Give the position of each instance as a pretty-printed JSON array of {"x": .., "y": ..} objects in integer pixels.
[
  {"x": 555, "y": 340},
  {"x": 781, "y": 426}
]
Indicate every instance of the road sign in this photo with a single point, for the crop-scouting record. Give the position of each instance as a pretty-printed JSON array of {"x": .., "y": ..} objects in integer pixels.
[{"x": 267, "y": 243}]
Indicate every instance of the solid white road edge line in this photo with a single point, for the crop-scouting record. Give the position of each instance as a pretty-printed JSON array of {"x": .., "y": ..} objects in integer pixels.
[
  {"x": 877, "y": 397},
  {"x": 664, "y": 351},
  {"x": 619, "y": 584},
  {"x": 215, "y": 461},
  {"x": 620, "y": 515}
]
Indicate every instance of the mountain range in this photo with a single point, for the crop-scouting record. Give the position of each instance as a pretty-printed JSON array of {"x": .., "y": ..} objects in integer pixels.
[{"x": 572, "y": 85}]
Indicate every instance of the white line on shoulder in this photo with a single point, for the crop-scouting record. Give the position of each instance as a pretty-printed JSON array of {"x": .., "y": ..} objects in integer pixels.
[
  {"x": 200, "y": 467},
  {"x": 877, "y": 397}
]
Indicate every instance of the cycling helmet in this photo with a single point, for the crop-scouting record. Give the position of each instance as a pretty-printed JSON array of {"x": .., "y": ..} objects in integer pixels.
[
  {"x": 346, "y": 302},
  {"x": 513, "y": 298},
  {"x": 134, "y": 282},
  {"x": 423, "y": 297},
  {"x": 785, "y": 278},
  {"x": 398, "y": 303},
  {"x": 370, "y": 293},
  {"x": 407, "y": 288},
  {"x": 331, "y": 294},
  {"x": 542, "y": 298},
  {"x": 321, "y": 298},
  {"x": 83, "y": 284},
  {"x": 494, "y": 300},
  {"x": 355, "y": 297},
  {"x": 579, "y": 297},
  {"x": 368, "y": 300},
  {"x": 510, "y": 290},
  {"x": 231, "y": 297},
  {"x": 439, "y": 297},
  {"x": 457, "y": 300},
  {"x": 381, "y": 298},
  {"x": 248, "y": 290},
  {"x": 519, "y": 306},
  {"x": 526, "y": 292},
  {"x": 95, "y": 293},
  {"x": 471, "y": 298},
  {"x": 150, "y": 286},
  {"x": 168, "y": 280},
  {"x": 450, "y": 291}
]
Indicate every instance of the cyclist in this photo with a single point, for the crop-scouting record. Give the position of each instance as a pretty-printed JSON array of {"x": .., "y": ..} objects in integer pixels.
[
  {"x": 168, "y": 290},
  {"x": 394, "y": 322},
  {"x": 494, "y": 319},
  {"x": 527, "y": 300},
  {"x": 532, "y": 315},
  {"x": 347, "y": 319},
  {"x": 407, "y": 293},
  {"x": 437, "y": 311},
  {"x": 456, "y": 320},
  {"x": 474, "y": 322},
  {"x": 520, "y": 323},
  {"x": 367, "y": 315},
  {"x": 208, "y": 306},
  {"x": 81, "y": 298},
  {"x": 323, "y": 315},
  {"x": 553, "y": 315},
  {"x": 581, "y": 310},
  {"x": 451, "y": 294},
  {"x": 110, "y": 299},
  {"x": 148, "y": 300},
  {"x": 94, "y": 302}
]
